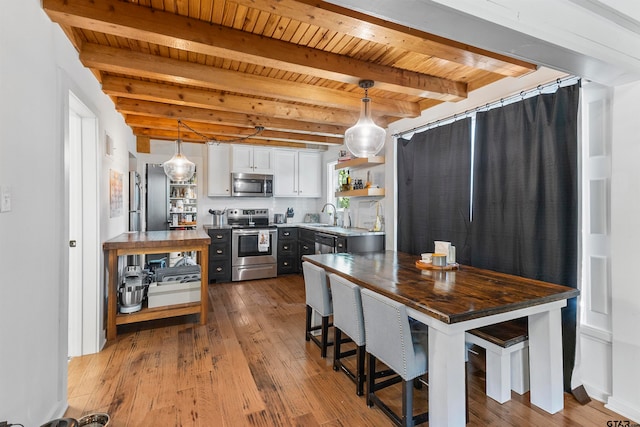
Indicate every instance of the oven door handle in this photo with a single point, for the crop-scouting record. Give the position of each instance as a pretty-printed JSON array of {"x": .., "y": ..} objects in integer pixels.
[{"x": 245, "y": 232}]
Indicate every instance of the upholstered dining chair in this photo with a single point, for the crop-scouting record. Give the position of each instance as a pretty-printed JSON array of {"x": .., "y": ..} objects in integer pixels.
[
  {"x": 399, "y": 345},
  {"x": 318, "y": 299},
  {"x": 348, "y": 319}
]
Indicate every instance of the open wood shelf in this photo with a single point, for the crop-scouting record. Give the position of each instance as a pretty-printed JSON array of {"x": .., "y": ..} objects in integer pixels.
[
  {"x": 158, "y": 313},
  {"x": 361, "y": 192},
  {"x": 361, "y": 162}
]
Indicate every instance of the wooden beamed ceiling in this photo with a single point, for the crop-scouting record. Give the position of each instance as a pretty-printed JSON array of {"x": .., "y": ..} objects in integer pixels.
[{"x": 292, "y": 67}]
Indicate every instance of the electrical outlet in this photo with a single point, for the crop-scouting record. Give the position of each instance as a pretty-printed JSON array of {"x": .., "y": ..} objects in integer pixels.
[{"x": 5, "y": 203}]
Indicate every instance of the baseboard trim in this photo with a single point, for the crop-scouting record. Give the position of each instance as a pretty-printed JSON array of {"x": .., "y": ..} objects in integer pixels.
[
  {"x": 596, "y": 393},
  {"x": 624, "y": 409}
]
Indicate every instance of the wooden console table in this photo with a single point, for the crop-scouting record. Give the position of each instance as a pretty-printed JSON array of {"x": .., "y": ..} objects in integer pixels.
[{"x": 154, "y": 242}]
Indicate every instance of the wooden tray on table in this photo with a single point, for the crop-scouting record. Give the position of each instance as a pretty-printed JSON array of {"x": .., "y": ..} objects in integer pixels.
[{"x": 428, "y": 266}]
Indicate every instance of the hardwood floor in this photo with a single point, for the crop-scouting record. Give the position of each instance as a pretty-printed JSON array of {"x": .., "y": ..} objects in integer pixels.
[{"x": 250, "y": 366}]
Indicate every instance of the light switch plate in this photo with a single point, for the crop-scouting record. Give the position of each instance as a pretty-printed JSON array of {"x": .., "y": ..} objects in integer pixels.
[{"x": 5, "y": 198}]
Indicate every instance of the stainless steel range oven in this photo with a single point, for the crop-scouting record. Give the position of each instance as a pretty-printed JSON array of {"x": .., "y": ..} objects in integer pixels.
[{"x": 254, "y": 244}]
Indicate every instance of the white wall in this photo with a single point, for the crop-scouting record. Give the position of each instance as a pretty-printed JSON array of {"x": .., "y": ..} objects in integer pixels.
[
  {"x": 625, "y": 232},
  {"x": 37, "y": 67}
]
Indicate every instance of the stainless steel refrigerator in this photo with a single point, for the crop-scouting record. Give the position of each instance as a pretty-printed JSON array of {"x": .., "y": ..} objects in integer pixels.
[
  {"x": 135, "y": 210},
  {"x": 135, "y": 194},
  {"x": 156, "y": 205},
  {"x": 157, "y": 199}
]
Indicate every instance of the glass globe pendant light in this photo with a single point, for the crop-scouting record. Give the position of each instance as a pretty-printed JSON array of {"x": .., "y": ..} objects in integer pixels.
[
  {"x": 365, "y": 138},
  {"x": 179, "y": 168}
]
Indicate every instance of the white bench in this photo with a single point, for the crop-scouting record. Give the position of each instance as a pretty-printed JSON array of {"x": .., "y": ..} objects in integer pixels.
[{"x": 507, "y": 357}]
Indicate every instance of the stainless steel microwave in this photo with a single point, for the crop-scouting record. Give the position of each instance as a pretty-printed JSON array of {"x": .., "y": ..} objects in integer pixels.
[{"x": 251, "y": 185}]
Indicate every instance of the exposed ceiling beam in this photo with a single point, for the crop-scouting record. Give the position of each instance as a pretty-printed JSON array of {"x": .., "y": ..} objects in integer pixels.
[
  {"x": 143, "y": 144},
  {"x": 166, "y": 29},
  {"x": 167, "y": 135},
  {"x": 223, "y": 132},
  {"x": 188, "y": 73},
  {"x": 155, "y": 109},
  {"x": 346, "y": 21},
  {"x": 172, "y": 94}
]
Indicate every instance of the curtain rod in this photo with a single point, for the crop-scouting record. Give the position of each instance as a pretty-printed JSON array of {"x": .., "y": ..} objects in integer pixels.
[{"x": 501, "y": 102}]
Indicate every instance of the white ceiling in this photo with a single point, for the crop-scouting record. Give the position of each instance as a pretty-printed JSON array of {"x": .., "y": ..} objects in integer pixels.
[{"x": 597, "y": 40}]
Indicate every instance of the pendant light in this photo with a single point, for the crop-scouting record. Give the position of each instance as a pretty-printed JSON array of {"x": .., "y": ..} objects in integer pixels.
[
  {"x": 365, "y": 138},
  {"x": 179, "y": 168}
]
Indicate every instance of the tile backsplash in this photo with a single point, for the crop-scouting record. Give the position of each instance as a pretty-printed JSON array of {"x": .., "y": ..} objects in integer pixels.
[{"x": 301, "y": 206}]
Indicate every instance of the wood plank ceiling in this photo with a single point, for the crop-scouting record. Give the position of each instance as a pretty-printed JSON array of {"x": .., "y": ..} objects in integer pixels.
[{"x": 292, "y": 67}]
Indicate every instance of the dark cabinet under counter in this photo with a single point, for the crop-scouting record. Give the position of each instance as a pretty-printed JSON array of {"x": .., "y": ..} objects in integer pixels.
[
  {"x": 360, "y": 244},
  {"x": 306, "y": 244},
  {"x": 219, "y": 255},
  {"x": 288, "y": 258}
]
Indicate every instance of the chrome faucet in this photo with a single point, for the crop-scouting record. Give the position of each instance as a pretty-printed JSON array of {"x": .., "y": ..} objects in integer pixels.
[{"x": 335, "y": 212}]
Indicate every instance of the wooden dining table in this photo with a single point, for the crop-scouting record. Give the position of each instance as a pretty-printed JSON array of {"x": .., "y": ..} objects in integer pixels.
[{"x": 451, "y": 302}]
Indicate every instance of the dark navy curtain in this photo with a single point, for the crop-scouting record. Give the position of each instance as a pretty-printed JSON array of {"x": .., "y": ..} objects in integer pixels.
[
  {"x": 434, "y": 176},
  {"x": 525, "y": 195}
]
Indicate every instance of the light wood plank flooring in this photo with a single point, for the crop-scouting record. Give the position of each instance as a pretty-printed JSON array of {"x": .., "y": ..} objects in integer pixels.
[{"x": 250, "y": 366}]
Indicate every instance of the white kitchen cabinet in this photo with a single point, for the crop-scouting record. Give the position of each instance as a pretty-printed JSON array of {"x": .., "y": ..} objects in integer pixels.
[
  {"x": 285, "y": 176},
  {"x": 297, "y": 173},
  {"x": 218, "y": 170},
  {"x": 310, "y": 176},
  {"x": 250, "y": 159}
]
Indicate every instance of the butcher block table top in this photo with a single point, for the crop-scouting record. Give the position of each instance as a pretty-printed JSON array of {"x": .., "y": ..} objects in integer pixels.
[
  {"x": 449, "y": 296},
  {"x": 147, "y": 241},
  {"x": 155, "y": 242}
]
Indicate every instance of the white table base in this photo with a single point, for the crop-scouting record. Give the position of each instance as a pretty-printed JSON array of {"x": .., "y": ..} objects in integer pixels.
[{"x": 447, "y": 392}]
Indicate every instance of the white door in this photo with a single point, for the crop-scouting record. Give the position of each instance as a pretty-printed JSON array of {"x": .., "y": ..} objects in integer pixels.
[
  {"x": 75, "y": 234},
  {"x": 596, "y": 314},
  {"x": 85, "y": 296}
]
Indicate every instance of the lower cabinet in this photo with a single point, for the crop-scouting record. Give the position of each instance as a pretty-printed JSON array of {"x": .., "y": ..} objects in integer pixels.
[
  {"x": 220, "y": 255},
  {"x": 306, "y": 244},
  {"x": 360, "y": 244},
  {"x": 288, "y": 259}
]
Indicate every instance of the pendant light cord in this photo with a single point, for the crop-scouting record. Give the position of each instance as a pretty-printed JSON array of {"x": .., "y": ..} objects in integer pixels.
[{"x": 209, "y": 140}]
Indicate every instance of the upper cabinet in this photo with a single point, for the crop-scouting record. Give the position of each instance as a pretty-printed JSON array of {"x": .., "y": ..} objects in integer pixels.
[
  {"x": 297, "y": 173},
  {"x": 218, "y": 170},
  {"x": 310, "y": 174},
  {"x": 285, "y": 166},
  {"x": 250, "y": 159}
]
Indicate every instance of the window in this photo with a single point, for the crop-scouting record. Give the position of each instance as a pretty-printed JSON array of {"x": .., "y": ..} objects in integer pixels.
[{"x": 333, "y": 185}]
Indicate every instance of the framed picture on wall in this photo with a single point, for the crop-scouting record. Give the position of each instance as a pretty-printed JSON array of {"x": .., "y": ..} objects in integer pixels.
[{"x": 115, "y": 193}]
